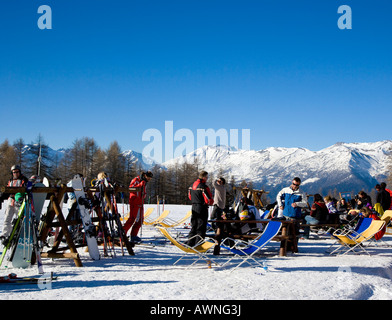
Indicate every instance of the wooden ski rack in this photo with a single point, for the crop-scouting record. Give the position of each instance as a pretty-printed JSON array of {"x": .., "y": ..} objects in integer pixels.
[
  {"x": 55, "y": 195},
  {"x": 252, "y": 194}
]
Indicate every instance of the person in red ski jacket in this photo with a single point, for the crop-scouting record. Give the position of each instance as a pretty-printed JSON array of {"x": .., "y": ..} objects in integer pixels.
[
  {"x": 136, "y": 200},
  {"x": 201, "y": 197}
]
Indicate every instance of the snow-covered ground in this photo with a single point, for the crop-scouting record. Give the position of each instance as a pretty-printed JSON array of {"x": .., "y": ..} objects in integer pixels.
[{"x": 150, "y": 275}]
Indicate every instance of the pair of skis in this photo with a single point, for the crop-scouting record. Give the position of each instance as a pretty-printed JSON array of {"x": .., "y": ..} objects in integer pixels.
[
  {"x": 108, "y": 213},
  {"x": 110, "y": 216},
  {"x": 23, "y": 247},
  {"x": 12, "y": 278}
]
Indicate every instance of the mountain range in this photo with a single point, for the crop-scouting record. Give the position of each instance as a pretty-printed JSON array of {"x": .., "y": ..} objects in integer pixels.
[{"x": 342, "y": 167}]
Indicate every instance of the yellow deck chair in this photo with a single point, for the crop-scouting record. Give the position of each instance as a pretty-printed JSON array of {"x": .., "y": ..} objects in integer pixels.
[
  {"x": 352, "y": 240},
  {"x": 170, "y": 223},
  {"x": 163, "y": 215},
  {"x": 199, "y": 250},
  {"x": 146, "y": 214},
  {"x": 386, "y": 217}
]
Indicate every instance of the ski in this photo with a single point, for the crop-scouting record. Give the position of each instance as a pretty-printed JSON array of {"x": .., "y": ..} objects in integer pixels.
[
  {"x": 27, "y": 242},
  {"x": 14, "y": 233},
  {"x": 121, "y": 233},
  {"x": 12, "y": 278},
  {"x": 89, "y": 227}
]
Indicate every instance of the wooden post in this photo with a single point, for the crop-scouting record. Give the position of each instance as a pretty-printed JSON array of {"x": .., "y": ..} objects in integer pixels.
[{"x": 64, "y": 228}]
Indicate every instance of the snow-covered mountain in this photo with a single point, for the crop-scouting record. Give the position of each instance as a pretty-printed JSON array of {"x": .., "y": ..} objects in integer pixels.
[
  {"x": 135, "y": 157},
  {"x": 343, "y": 166},
  {"x": 53, "y": 157}
]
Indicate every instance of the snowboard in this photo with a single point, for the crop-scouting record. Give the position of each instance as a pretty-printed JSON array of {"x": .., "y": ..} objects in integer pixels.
[
  {"x": 23, "y": 251},
  {"x": 39, "y": 198},
  {"x": 89, "y": 227}
]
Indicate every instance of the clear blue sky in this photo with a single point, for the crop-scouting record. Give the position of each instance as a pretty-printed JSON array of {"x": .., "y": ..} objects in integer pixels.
[{"x": 110, "y": 70}]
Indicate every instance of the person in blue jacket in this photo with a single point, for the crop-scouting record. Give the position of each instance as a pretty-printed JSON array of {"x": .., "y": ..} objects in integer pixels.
[{"x": 291, "y": 200}]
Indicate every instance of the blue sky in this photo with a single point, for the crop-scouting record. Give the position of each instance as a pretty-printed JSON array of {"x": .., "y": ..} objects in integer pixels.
[{"x": 110, "y": 70}]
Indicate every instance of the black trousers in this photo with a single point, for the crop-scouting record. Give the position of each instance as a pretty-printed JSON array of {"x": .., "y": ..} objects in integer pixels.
[{"x": 199, "y": 220}]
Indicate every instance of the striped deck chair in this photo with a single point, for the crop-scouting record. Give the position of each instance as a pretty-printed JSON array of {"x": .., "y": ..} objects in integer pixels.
[
  {"x": 199, "y": 251},
  {"x": 387, "y": 216},
  {"x": 351, "y": 240},
  {"x": 362, "y": 225},
  {"x": 246, "y": 250}
]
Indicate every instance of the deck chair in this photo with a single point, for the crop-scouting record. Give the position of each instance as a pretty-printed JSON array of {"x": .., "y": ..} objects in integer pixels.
[
  {"x": 362, "y": 225},
  {"x": 245, "y": 250},
  {"x": 150, "y": 221},
  {"x": 170, "y": 223},
  {"x": 146, "y": 214},
  {"x": 351, "y": 240},
  {"x": 199, "y": 251},
  {"x": 387, "y": 216}
]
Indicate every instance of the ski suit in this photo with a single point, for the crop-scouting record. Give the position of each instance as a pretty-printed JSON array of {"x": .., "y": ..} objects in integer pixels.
[
  {"x": 286, "y": 197},
  {"x": 13, "y": 205},
  {"x": 136, "y": 211},
  {"x": 200, "y": 195}
]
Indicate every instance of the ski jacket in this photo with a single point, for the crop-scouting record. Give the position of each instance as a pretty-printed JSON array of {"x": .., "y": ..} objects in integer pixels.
[
  {"x": 20, "y": 182},
  {"x": 331, "y": 207},
  {"x": 220, "y": 195},
  {"x": 200, "y": 193},
  {"x": 319, "y": 211},
  {"x": 384, "y": 198},
  {"x": 390, "y": 193},
  {"x": 137, "y": 198},
  {"x": 286, "y": 197}
]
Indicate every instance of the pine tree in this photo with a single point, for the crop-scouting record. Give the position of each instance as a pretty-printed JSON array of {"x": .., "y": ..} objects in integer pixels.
[
  {"x": 115, "y": 163},
  {"x": 39, "y": 159},
  {"x": 7, "y": 160},
  {"x": 19, "y": 152}
]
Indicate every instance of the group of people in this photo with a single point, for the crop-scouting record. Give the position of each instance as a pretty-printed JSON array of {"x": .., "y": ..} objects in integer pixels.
[{"x": 290, "y": 202}]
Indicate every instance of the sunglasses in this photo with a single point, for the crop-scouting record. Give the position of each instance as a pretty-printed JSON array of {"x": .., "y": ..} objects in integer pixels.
[{"x": 294, "y": 184}]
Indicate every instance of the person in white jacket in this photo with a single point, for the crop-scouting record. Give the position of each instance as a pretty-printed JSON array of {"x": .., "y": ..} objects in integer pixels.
[{"x": 291, "y": 200}]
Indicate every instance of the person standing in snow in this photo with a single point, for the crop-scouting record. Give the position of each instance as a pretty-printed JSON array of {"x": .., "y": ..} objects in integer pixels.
[
  {"x": 383, "y": 197},
  {"x": 14, "y": 202},
  {"x": 200, "y": 195},
  {"x": 219, "y": 198},
  {"x": 291, "y": 200},
  {"x": 136, "y": 201}
]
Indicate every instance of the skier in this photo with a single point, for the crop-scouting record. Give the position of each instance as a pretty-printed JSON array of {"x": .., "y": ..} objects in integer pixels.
[
  {"x": 136, "y": 200},
  {"x": 200, "y": 195},
  {"x": 14, "y": 202}
]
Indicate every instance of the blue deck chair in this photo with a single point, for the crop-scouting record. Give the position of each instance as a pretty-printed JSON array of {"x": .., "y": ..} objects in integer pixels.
[
  {"x": 352, "y": 240},
  {"x": 246, "y": 250},
  {"x": 362, "y": 225}
]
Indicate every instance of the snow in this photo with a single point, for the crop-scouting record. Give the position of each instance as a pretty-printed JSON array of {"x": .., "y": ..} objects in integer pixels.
[{"x": 150, "y": 275}]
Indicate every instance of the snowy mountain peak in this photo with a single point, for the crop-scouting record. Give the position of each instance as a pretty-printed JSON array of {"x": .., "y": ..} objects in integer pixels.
[{"x": 342, "y": 166}]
